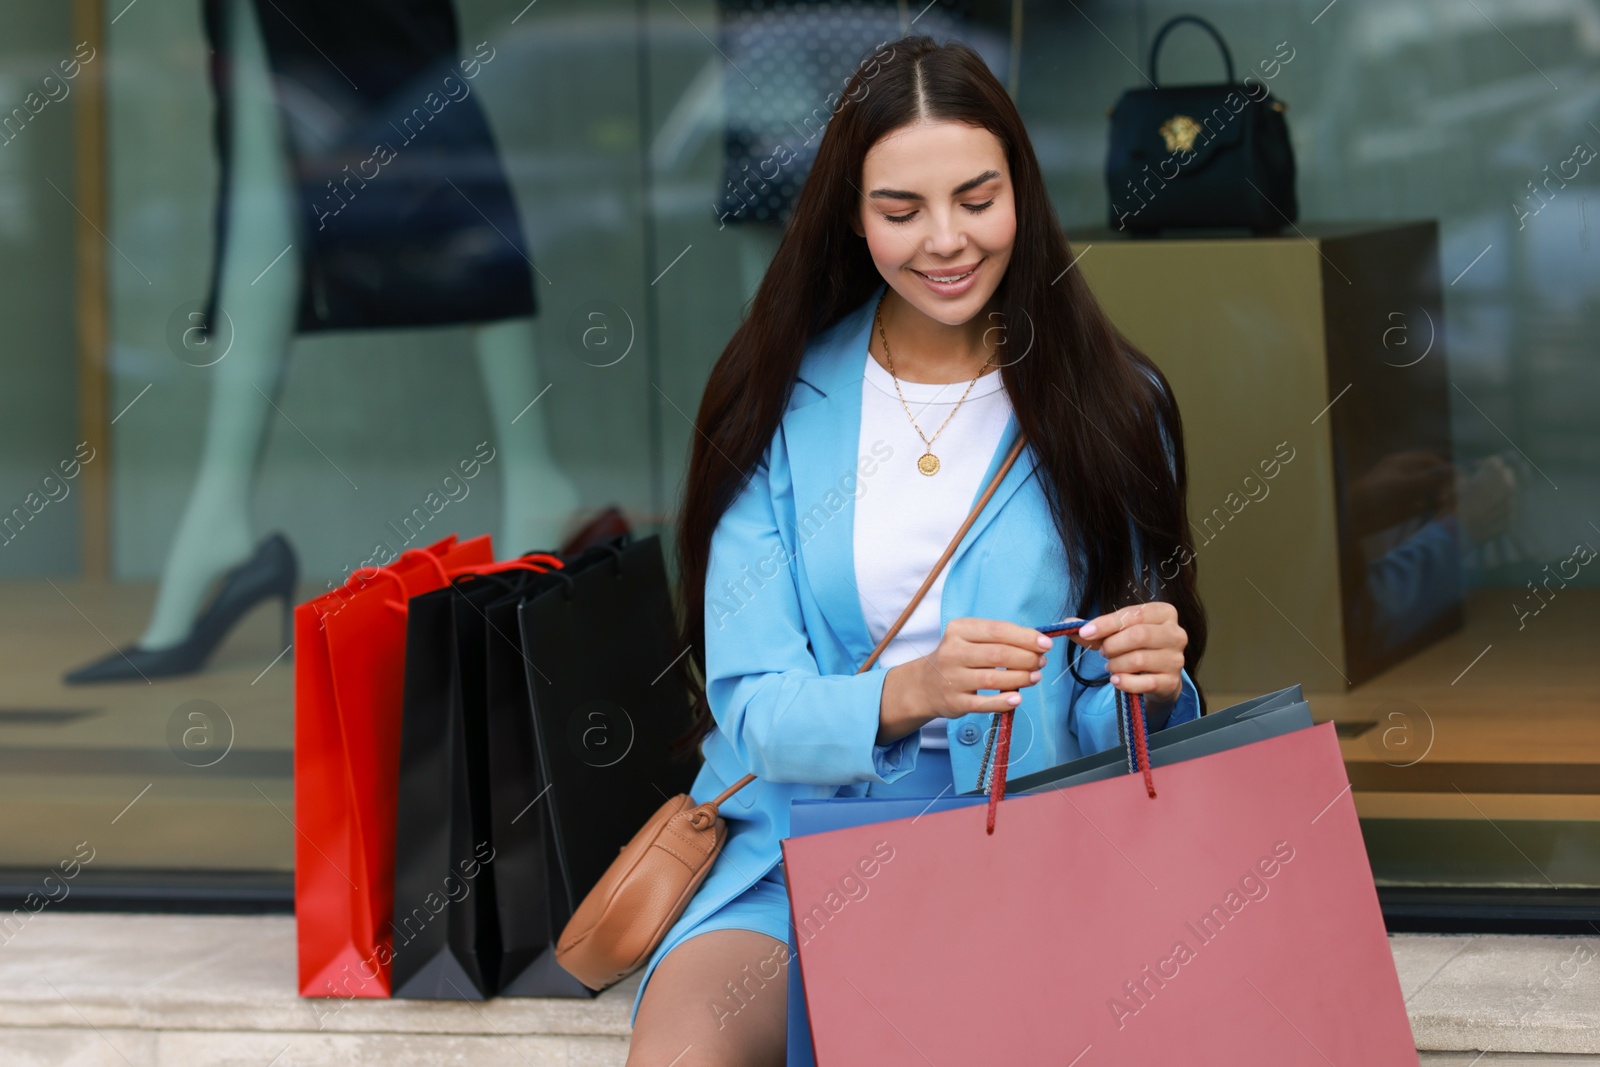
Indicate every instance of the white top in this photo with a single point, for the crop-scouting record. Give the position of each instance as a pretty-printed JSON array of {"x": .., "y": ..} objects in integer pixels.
[{"x": 904, "y": 518}]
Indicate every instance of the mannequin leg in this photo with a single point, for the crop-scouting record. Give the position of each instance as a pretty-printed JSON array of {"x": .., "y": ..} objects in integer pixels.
[
  {"x": 537, "y": 498},
  {"x": 214, "y": 533}
]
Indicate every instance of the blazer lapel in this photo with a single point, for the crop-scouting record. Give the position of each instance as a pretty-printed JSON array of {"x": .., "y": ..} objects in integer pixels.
[{"x": 822, "y": 441}]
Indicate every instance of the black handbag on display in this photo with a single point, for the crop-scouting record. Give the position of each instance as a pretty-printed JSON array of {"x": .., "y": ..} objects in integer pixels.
[{"x": 1199, "y": 156}]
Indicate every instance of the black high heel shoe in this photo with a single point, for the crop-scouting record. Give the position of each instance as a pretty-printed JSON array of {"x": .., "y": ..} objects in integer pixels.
[{"x": 270, "y": 572}]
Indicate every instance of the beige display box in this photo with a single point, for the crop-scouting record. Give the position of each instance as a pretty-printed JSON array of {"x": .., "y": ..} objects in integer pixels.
[{"x": 1310, "y": 373}]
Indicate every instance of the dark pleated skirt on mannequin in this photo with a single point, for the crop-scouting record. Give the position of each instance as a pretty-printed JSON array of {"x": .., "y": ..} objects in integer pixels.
[{"x": 405, "y": 216}]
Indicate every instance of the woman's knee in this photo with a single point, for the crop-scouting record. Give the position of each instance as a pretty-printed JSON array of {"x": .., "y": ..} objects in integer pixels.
[{"x": 719, "y": 998}]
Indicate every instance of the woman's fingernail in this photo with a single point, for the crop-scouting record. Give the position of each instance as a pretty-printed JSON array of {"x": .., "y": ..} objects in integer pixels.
[
  {"x": 1035, "y": 676},
  {"x": 1045, "y": 642},
  {"x": 1013, "y": 699},
  {"x": 1116, "y": 679},
  {"x": 1088, "y": 631}
]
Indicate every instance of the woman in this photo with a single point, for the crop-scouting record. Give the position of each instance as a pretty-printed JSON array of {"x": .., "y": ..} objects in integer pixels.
[{"x": 919, "y": 313}]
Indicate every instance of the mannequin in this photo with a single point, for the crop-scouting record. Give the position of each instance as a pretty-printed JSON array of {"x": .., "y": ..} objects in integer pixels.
[{"x": 214, "y": 540}]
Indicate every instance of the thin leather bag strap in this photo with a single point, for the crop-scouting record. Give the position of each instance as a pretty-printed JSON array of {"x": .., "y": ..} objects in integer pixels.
[{"x": 927, "y": 583}]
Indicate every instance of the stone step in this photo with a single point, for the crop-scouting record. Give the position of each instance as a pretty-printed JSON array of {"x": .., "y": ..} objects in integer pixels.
[
  {"x": 32, "y": 1047},
  {"x": 158, "y": 990},
  {"x": 35, "y": 1047}
]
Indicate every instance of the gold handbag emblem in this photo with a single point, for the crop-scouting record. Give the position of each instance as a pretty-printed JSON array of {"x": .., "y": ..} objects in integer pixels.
[{"x": 1179, "y": 133}]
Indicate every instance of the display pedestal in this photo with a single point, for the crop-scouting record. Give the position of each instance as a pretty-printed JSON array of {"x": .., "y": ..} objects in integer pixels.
[{"x": 1310, "y": 372}]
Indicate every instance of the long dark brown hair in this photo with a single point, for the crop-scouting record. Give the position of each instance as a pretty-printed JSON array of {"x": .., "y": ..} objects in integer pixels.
[{"x": 1096, "y": 411}]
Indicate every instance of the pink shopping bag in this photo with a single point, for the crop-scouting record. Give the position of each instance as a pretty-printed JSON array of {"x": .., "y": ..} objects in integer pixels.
[{"x": 1230, "y": 919}]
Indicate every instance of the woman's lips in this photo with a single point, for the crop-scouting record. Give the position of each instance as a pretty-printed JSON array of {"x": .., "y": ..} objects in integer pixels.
[{"x": 964, "y": 280}]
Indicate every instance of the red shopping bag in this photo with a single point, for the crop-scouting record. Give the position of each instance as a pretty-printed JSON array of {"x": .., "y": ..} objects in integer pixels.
[
  {"x": 1229, "y": 919},
  {"x": 349, "y": 672}
]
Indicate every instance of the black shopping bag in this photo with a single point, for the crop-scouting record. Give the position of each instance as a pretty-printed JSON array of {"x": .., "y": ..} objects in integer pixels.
[
  {"x": 530, "y": 894},
  {"x": 609, "y": 709},
  {"x": 446, "y": 937}
]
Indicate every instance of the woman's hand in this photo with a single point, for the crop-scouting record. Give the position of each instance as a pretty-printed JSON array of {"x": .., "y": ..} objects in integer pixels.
[
  {"x": 1143, "y": 646},
  {"x": 944, "y": 684}
]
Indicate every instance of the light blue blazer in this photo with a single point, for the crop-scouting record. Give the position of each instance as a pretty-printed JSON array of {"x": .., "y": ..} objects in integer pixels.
[{"x": 785, "y": 633}]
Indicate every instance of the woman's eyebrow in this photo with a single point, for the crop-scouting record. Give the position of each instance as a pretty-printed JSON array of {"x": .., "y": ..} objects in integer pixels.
[{"x": 903, "y": 194}]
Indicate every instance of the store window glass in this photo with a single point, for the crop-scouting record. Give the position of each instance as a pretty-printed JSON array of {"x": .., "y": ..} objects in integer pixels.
[
  {"x": 293, "y": 288},
  {"x": 1422, "y": 564}
]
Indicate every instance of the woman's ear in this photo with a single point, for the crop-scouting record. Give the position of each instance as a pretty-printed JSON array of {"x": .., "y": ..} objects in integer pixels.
[{"x": 855, "y": 224}]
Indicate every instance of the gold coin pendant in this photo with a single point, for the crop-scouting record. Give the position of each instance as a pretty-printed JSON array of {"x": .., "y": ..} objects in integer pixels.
[{"x": 928, "y": 463}]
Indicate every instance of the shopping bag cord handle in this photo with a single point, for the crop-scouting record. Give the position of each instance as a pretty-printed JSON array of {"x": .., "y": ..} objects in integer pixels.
[
  {"x": 1129, "y": 721},
  {"x": 387, "y": 571},
  {"x": 1141, "y": 744},
  {"x": 539, "y": 562}
]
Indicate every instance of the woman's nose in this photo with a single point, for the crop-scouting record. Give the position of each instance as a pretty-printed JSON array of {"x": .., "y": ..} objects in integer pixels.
[{"x": 946, "y": 237}]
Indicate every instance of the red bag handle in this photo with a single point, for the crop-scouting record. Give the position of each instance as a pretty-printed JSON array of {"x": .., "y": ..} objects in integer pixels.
[
  {"x": 1141, "y": 755},
  {"x": 533, "y": 561},
  {"x": 387, "y": 571},
  {"x": 428, "y": 557},
  {"x": 1000, "y": 746},
  {"x": 541, "y": 562}
]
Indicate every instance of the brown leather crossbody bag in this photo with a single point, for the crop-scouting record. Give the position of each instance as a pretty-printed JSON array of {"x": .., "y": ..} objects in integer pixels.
[{"x": 650, "y": 883}]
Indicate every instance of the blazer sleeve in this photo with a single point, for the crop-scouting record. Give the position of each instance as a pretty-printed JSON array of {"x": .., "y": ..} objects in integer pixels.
[
  {"x": 786, "y": 721},
  {"x": 1092, "y": 720}
]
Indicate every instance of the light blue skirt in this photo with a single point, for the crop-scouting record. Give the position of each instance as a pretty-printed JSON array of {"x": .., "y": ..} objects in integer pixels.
[{"x": 764, "y": 906}]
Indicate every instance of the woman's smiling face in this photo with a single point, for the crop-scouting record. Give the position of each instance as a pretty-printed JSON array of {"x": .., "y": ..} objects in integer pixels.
[{"x": 938, "y": 216}]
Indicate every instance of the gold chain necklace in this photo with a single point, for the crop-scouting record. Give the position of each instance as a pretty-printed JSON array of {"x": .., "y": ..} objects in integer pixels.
[{"x": 927, "y": 463}]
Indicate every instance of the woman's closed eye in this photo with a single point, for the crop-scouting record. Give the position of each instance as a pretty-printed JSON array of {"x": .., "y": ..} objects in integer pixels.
[{"x": 974, "y": 208}]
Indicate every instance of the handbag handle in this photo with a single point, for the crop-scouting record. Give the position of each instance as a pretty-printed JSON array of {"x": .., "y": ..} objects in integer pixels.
[
  {"x": 916, "y": 598},
  {"x": 1161, "y": 35}
]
